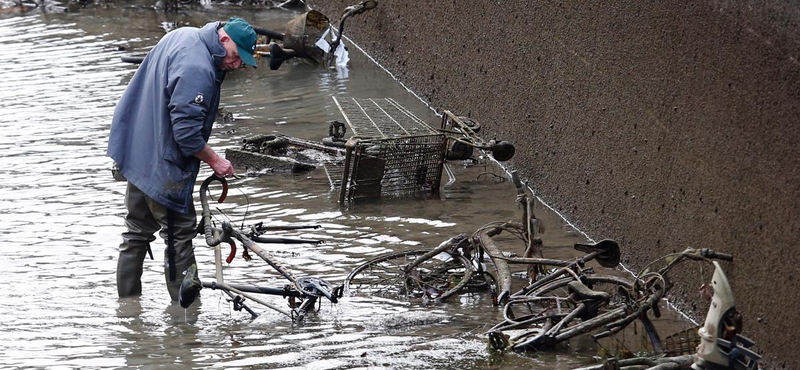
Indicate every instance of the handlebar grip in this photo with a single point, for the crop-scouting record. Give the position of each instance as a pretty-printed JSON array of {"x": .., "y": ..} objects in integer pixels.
[
  {"x": 233, "y": 252},
  {"x": 132, "y": 60},
  {"x": 269, "y": 33},
  {"x": 224, "y": 194},
  {"x": 712, "y": 254}
]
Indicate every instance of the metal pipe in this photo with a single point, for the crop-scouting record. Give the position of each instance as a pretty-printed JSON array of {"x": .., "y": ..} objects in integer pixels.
[
  {"x": 255, "y": 248},
  {"x": 279, "y": 240},
  {"x": 533, "y": 260},
  {"x": 229, "y": 289},
  {"x": 253, "y": 289},
  {"x": 349, "y": 146},
  {"x": 261, "y": 228}
]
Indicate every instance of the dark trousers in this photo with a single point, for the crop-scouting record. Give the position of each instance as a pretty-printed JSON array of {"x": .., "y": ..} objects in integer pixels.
[{"x": 144, "y": 218}]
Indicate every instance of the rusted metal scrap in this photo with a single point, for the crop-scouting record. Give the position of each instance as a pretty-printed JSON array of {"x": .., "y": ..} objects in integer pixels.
[{"x": 281, "y": 153}]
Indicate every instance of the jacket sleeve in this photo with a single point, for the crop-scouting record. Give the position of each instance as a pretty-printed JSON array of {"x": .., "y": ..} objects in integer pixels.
[{"x": 190, "y": 88}]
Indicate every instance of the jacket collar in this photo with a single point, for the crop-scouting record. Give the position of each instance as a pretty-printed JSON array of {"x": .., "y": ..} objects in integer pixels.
[{"x": 209, "y": 36}]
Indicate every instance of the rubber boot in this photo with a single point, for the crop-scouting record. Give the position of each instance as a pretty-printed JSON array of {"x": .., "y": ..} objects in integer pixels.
[
  {"x": 190, "y": 287},
  {"x": 182, "y": 267},
  {"x": 129, "y": 270}
]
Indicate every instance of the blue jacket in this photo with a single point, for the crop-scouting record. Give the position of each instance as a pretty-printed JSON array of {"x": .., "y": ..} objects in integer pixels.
[{"x": 165, "y": 115}]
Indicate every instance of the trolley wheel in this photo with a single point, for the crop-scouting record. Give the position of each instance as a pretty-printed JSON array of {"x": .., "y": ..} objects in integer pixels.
[
  {"x": 384, "y": 276},
  {"x": 471, "y": 123}
]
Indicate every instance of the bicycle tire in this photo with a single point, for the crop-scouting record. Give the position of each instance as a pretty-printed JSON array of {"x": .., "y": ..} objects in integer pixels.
[
  {"x": 384, "y": 276},
  {"x": 471, "y": 123}
]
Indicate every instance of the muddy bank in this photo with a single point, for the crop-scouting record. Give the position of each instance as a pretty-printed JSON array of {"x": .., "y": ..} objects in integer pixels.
[{"x": 663, "y": 126}]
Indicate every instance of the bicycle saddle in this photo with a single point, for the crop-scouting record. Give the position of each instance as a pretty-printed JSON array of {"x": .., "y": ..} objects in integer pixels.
[{"x": 317, "y": 287}]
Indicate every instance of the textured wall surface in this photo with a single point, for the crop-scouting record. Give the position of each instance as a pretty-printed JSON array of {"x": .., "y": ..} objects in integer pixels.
[{"x": 663, "y": 125}]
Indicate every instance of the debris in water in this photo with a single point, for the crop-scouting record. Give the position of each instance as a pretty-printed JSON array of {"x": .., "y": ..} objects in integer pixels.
[
  {"x": 408, "y": 320},
  {"x": 280, "y": 153}
]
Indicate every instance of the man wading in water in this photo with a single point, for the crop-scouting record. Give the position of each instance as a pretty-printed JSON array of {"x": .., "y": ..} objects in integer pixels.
[{"x": 159, "y": 135}]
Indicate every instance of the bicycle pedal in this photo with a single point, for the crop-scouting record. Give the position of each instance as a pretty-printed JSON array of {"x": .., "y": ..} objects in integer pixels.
[{"x": 238, "y": 303}]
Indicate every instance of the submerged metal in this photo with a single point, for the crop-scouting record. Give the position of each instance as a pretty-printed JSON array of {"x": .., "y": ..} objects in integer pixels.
[
  {"x": 281, "y": 153},
  {"x": 392, "y": 153}
]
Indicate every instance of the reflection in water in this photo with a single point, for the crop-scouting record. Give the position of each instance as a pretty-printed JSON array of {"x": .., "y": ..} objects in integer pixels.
[
  {"x": 142, "y": 337},
  {"x": 61, "y": 213}
]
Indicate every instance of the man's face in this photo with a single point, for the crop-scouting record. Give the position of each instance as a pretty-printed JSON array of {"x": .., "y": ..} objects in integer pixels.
[{"x": 232, "y": 60}]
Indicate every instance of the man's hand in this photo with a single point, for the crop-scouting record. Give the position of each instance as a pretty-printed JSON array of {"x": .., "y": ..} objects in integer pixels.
[{"x": 221, "y": 166}]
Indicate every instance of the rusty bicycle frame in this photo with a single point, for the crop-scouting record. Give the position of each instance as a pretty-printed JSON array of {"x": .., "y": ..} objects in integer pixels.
[
  {"x": 475, "y": 248},
  {"x": 640, "y": 296},
  {"x": 307, "y": 290}
]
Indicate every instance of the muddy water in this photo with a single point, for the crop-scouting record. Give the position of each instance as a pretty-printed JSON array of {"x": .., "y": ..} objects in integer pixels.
[{"x": 61, "y": 216}]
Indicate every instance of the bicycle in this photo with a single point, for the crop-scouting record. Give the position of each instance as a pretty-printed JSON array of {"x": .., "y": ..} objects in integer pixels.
[
  {"x": 299, "y": 39},
  {"x": 435, "y": 274},
  {"x": 574, "y": 301},
  {"x": 718, "y": 348},
  {"x": 527, "y": 231},
  {"x": 302, "y": 293},
  {"x": 454, "y": 266}
]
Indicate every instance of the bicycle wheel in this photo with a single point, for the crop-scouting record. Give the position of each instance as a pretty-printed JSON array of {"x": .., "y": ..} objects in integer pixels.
[{"x": 435, "y": 278}]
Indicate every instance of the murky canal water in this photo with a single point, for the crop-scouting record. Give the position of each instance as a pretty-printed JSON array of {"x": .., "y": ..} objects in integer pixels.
[{"x": 61, "y": 216}]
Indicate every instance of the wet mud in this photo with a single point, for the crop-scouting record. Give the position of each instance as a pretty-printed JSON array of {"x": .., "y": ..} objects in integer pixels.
[{"x": 663, "y": 126}]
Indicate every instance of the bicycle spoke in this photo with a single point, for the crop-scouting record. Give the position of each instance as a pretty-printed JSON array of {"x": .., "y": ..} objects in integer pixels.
[{"x": 385, "y": 276}]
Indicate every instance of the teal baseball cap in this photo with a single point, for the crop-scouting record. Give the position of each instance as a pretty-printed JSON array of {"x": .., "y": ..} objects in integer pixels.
[{"x": 244, "y": 37}]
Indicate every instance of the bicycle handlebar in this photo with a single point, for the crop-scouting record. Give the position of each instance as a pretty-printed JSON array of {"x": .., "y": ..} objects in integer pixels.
[
  {"x": 652, "y": 301},
  {"x": 269, "y": 33},
  {"x": 347, "y": 13},
  {"x": 207, "y": 229},
  {"x": 131, "y": 59},
  {"x": 712, "y": 254}
]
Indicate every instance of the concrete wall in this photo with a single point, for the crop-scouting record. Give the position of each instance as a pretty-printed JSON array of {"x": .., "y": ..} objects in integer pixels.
[{"x": 663, "y": 125}]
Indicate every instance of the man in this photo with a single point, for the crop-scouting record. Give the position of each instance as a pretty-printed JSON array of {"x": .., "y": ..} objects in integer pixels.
[{"x": 159, "y": 135}]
